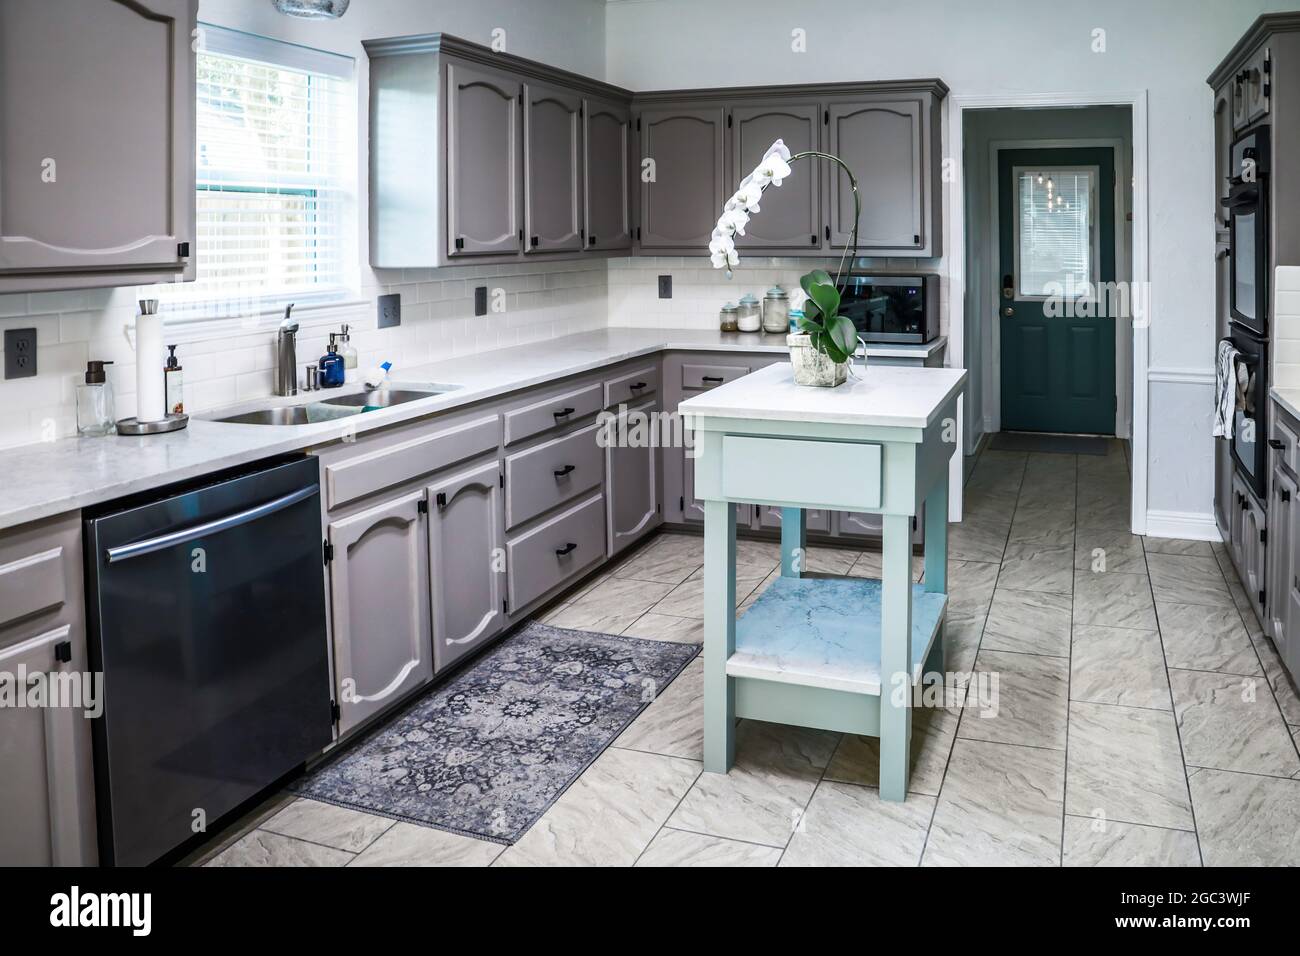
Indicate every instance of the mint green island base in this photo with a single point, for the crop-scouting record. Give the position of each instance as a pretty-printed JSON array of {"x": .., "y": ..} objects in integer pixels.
[{"x": 842, "y": 654}]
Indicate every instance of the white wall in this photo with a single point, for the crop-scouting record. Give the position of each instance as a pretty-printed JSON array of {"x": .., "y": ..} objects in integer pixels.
[
  {"x": 1166, "y": 47},
  {"x": 221, "y": 367}
]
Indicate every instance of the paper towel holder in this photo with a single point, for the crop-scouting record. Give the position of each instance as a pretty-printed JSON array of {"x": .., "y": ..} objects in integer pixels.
[{"x": 172, "y": 422}]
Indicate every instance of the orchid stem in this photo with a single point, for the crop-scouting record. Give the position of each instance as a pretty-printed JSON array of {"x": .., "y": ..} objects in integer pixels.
[{"x": 851, "y": 251}]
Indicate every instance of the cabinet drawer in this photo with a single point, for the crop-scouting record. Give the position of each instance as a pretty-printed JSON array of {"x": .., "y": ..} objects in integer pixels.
[
  {"x": 40, "y": 576},
  {"x": 776, "y": 470},
  {"x": 1285, "y": 439},
  {"x": 422, "y": 454},
  {"x": 551, "y": 474},
  {"x": 555, "y": 552},
  {"x": 632, "y": 387},
  {"x": 710, "y": 376},
  {"x": 32, "y": 583},
  {"x": 553, "y": 412}
]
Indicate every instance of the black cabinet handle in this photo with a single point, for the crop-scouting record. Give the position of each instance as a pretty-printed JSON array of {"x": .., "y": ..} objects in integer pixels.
[
  {"x": 563, "y": 413},
  {"x": 567, "y": 549},
  {"x": 1286, "y": 495},
  {"x": 566, "y": 470},
  {"x": 533, "y": 242},
  {"x": 828, "y": 233},
  {"x": 591, "y": 240},
  {"x": 63, "y": 651},
  {"x": 711, "y": 378},
  {"x": 1275, "y": 443},
  {"x": 812, "y": 240},
  {"x": 637, "y": 386}
]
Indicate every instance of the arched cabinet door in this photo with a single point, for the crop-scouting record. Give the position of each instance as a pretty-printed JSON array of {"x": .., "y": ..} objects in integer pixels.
[
  {"x": 791, "y": 214},
  {"x": 682, "y": 191},
  {"x": 379, "y": 602},
  {"x": 607, "y": 175},
  {"x": 553, "y": 170},
  {"x": 483, "y": 161},
  {"x": 881, "y": 141},
  {"x": 97, "y": 106}
]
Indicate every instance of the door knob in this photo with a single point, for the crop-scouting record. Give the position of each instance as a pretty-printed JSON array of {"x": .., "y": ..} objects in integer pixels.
[{"x": 1008, "y": 311}]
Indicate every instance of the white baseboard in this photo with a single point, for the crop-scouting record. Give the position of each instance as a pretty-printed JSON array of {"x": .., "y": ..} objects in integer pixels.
[{"x": 1192, "y": 525}]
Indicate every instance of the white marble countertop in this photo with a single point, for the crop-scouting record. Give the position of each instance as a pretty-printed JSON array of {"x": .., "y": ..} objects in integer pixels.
[
  {"x": 883, "y": 396},
  {"x": 1288, "y": 398},
  {"x": 37, "y": 481}
]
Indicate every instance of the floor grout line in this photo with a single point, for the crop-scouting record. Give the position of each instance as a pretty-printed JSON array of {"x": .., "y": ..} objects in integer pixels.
[{"x": 1069, "y": 668}]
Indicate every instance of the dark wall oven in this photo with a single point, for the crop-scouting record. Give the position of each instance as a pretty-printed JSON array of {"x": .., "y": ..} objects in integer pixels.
[
  {"x": 1247, "y": 205},
  {"x": 1249, "y": 422}
]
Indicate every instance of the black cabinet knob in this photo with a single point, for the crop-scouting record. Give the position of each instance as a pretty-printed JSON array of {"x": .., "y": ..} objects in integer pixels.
[{"x": 1274, "y": 443}]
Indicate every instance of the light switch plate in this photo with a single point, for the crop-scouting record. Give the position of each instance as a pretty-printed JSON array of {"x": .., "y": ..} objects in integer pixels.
[
  {"x": 665, "y": 287},
  {"x": 390, "y": 310},
  {"x": 20, "y": 353}
]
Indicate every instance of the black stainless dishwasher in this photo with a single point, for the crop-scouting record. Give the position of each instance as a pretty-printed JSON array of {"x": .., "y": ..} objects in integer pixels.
[{"x": 207, "y": 620}]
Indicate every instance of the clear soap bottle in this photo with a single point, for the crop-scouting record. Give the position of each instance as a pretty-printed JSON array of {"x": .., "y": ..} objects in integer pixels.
[
  {"x": 95, "y": 410},
  {"x": 349, "y": 353}
]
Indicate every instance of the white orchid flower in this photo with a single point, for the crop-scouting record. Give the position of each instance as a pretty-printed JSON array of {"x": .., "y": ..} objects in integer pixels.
[
  {"x": 737, "y": 210},
  {"x": 724, "y": 259},
  {"x": 734, "y": 221},
  {"x": 721, "y": 242},
  {"x": 748, "y": 196},
  {"x": 778, "y": 149},
  {"x": 773, "y": 169}
]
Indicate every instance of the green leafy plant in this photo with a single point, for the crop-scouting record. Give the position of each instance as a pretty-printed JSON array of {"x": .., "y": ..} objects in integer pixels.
[{"x": 832, "y": 334}]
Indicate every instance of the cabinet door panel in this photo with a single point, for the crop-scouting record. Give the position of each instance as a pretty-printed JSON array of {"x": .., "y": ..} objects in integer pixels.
[
  {"x": 45, "y": 752},
  {"x": 881, "y": 142},
  {"x": 607, "y": 174},
  {"x": 96, "y": 135},
  {"x": 791, "y": 212},
  {"x": 681, "y": 205},
  {"x": 483, "y": 161},
  {"x": 769, "y": 516},
  {"x": 632, "y": 496},
  {"x": 1280, "y": 557},
  {"x": 379, "y": 598},
  {"x": 553, "y": 169},
  {"x": 467, "y": 562}
]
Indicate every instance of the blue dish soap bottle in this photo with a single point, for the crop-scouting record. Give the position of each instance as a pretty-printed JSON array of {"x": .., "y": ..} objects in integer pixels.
[{"x": 332, "y": 370}]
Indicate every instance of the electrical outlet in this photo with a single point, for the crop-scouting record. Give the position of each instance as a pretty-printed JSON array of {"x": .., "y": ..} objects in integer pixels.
[
  {"x": 480, "y": 300},
  {"x": 665, "y": 287},
  {"x": 390, "y": 310},
  {"x": 20, "y": 353}
]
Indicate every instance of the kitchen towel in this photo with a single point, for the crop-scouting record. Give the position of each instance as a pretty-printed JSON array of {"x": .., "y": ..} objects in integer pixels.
[{"x": 1225, "y": 388}]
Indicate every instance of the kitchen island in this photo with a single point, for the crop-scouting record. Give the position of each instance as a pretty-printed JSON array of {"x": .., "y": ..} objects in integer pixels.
[{"x": 840, "y": 654}]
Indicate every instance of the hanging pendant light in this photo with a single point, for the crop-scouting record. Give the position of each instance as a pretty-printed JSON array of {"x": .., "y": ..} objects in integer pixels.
[{"x": 312, "y": 9}]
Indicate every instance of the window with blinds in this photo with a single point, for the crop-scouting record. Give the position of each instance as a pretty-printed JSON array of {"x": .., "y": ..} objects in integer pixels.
[
  {"x": 1055, "y": 251},
  {"x": 276, "y": 177}
]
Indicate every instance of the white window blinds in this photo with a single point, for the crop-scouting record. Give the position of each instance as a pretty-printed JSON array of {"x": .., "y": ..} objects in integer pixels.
[
  {"x": 276, "y": 177},
  {"x": 1056, "y": 252}
]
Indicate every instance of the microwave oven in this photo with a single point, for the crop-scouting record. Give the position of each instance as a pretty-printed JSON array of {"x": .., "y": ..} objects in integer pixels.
[{"x": 892, "y": 308}]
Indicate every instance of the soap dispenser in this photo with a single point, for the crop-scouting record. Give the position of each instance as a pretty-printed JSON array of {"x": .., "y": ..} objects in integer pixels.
[
  {"x": 349, "y": 353},
  {"x": 332, "y": 372},
  {"x": 95, "y": 412},
  {"x": 174, "y": 383}
]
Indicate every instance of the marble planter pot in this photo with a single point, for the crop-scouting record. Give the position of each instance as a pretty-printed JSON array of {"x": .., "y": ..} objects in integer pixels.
[{"x": 813, "y": 367}]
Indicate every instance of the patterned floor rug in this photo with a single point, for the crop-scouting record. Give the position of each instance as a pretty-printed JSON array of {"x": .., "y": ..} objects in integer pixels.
[{"x": 486, "y": 753}]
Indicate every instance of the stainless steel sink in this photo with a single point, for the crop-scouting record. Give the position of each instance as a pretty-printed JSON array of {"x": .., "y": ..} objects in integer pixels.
[
  {"x": 289, "y": 415},
  {"x": 340, "y": 406},
  {"x": 383, "y": 397}
]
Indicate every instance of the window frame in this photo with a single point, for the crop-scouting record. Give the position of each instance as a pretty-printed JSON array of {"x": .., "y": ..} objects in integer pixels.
[{"x": 1094, "y": 228}]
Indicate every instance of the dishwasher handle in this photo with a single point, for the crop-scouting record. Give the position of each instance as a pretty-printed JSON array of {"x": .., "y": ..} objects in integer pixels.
[{"x": 216, "y": 526}]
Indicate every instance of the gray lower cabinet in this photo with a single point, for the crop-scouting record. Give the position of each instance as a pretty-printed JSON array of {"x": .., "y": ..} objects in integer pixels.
[
  {"x": 682, "y": 197},
  {"x": 791, "y": 213},
  {"x": 769, "y": 516},
  {"x": 466, "y": 562},
  {"x": 483, "y": 160},
  {"x": 379, "y": 596},
  {"x": 632, "y": 483},
  {"x": 553, "y": 187},
  {"x": 556, "y": 551},
  {"x": 693, "y": 508},
  {"x": 1247, "y": 526},
  {"x": 607, "y": 174},
  {"x": 97, "y": 154},
  {"x": 1282, "y": 617}
]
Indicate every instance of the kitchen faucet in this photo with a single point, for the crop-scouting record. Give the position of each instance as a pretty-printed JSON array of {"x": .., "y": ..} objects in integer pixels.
[{"x": 286, "y": 355}]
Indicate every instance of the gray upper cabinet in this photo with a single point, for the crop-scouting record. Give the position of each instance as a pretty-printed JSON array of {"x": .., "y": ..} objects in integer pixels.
[
  {"x": 553, "y": 169},
  {"x": 1252, "y": 88},
  {"x": 607, "y": 175},
  {"x": 97, "y": 154},
  {"x": 466, "y": 562},
  {"x": 681, "y": 203},
  {"x": 791, "y": 213},
  {"x": 483, "y": 160},
  {"x": 881, "y": 141}
]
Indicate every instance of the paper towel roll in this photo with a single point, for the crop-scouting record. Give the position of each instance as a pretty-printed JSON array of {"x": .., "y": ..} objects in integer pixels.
[{"x": 150, "y": 397}]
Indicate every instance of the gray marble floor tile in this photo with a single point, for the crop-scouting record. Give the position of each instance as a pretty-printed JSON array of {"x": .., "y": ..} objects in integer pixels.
[
  {"x": 1000, "y": 806},
  {"x": 1029, "y": 622},
  {"x": 324, "y": 823},
  {"x": 962, "y": 632},
  {"x": 682, "y": 848},
  {"x": 1113, "y": 599},
  {"x": 555, "y": 611},
  {"x": 687, "y": 599},
  {"x": 1118, "y": 665},
  {"x": 1090, "y": 842},
  {"x": 868, "y": 565},
  {"x": 239, "y": 829},
  {"x": 1278, "y": 678},
  {"x": 1204, "y": 638},
  {"x": 1103, "y": 509},
  {"x": 263, "y": 848},
  {"x": 763, "y": 796},
  {"x": 847, "y": 825},
  {"x": 673, "y": 725},
  {"x": 1031, "y": 704},
  {"x": 669, "y": 563},
  {"x": 978, "y": 537},
  {"x": 1246, "y": 820},
  {"x": 1102, "y": 551},
  {"x": 1187, "y": 579},
  {"x": 857, "y": 758},
  {"x": 661, "y": 627},
  {"x": 1038, "y": 567},
  {"x": 1200, "y": 549},
  {"x": 409, "y": 845},
  {"x": 830, "y": 560},
  {"x": 1125, "y": 765},
  {"x": 611, "y": 606},
  {"x": 1049, "y": 525},
  {"x": 609, "y": 815},
  {"x": 970, "y": 587},
  {"x": 1231, "y": 723},
  {"x": 759, "y": 557}
]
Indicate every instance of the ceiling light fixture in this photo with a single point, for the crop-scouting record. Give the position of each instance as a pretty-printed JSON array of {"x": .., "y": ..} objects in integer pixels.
[{"x": 312, "y": 9}]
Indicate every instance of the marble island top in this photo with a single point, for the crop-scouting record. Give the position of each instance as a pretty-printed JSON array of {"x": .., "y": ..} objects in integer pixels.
[{"x": 49, "y": 478}]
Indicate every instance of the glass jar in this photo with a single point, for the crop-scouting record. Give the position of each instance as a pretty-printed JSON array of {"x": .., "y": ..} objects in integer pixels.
[
  {"x": 727, "y": 318},
  {"x": 748, "y": 314},
  {"x": 776, "y": 310}
]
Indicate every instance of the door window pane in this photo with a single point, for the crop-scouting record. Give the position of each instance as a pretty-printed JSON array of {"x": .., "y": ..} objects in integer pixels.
[{"x": 1054, "y": 232}]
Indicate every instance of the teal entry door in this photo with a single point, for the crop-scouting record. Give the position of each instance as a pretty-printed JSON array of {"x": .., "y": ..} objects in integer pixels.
[{"x": 1057, "y": 265}]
